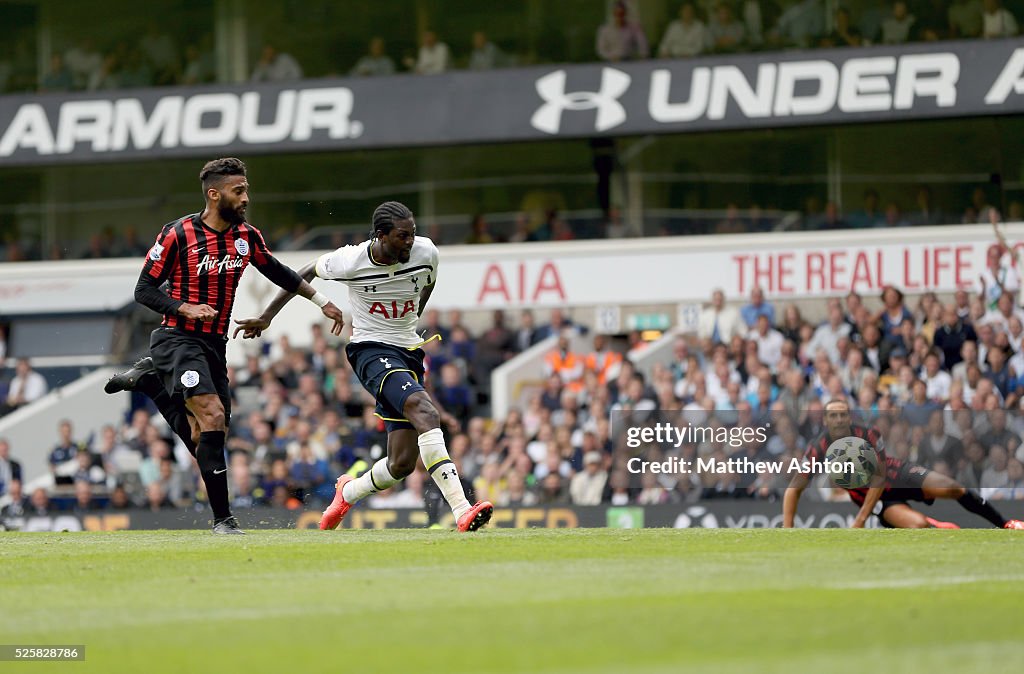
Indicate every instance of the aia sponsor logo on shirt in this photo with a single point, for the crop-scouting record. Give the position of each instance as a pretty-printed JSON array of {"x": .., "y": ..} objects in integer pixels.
[
  {"x": 392, "y": 309},
  {"x": 210, "y": 265}
]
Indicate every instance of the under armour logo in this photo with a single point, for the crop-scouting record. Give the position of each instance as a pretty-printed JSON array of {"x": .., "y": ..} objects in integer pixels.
[
  {"x": 610, "y": 112},
  {"x": 406, "y": 385},
  {"x": 369, "y": 289},
  {"x": 444, "y": 474},
  {"x": 385, "y": 361}
]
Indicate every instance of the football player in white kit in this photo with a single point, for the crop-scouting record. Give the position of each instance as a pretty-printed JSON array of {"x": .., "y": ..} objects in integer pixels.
[{"x": 390, "y": 277}]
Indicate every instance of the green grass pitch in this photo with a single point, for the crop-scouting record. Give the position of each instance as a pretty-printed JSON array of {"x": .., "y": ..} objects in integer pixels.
[{"x": 519, "y": 600}]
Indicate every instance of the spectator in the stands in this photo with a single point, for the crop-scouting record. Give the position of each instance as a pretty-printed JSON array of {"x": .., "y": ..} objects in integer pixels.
[
  {"x": 951, "y": 336},
  {"x": 1005, "y": 311},
  {"x": 844, "y": 33},
  {"x": 832, "y": 219},
  {"x": 135, "y": 71},
  {"x": 114, "y": 456},
  {"x": 757, "y": 307},
  {"x": 769, "y": 341},
  {"x": 485, "y": 54},
  {"x": 985, "y": 212},
  {"x": 894, "y": 217},
  {"x": 66, "y": 449},
  {"x": 276, "y": 66},
  {"x": 997, "y": 21},
  {"x": 107, "y": 76},
  {"x": 870, "y": 215},
  {"x": 454, "y": 394},
  {"x": 565, "y": 363},
  {"x": 59, "y": 77},
  {"x": 937, "y": 380},
  {"x": 559, "y": 324},
  {"x": 620, "y": 39},
  {"x": 156, "y": 498},
  {"x": 685, "y": 36},
  {"x": 243, "y": 492},
  {"x": 827, "y": 335},
  {"x": 479, "y": 231},
  {"x": 926, "y": 213},
  {"x": 719, "y": 323},
  {"x": 495, "y": 345},
  {"x": 310, "y": 475},
  {"x": 84, "y": 501},
  {"x": 751, "y": 15},
  {"x": 119, "y": 499},
  {"x": 1014, "y": 487},
  {"x": 999, "y": 276},
  {"x": 527, "y": 334},
  {"x": 10, "y": 470},
  {"x": 800, "y": 25},
  {"x": 130, "y": 245},
  {"x": 587, "y": 486},
  {"x": 17, "y": 504},
  {"x": 83, "y": 60},
  {"x": 603, "y": 361},
  {"x": 965, "y": 18},
  {"x": 98, "y": 248},
  {"x": 893, "y": 313},
  {"x": 88, "y": 469},
  {"x": 434, "y": 56},
  {"x": 39, "y": 503},
  {"x": 999, "y": 372},
  {"x": 199, "y": 67},
  {"x": 158, "y": 449},
  {"x": 161, "y": 50},
  {"x": 375, "y": 62},
  {"x": 726, "y": 33},
  {"x": 897, "y": 26},
  {"x": 26, "y": 387}
]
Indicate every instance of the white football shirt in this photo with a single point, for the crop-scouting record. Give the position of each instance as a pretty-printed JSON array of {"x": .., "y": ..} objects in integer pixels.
[{"x": 384, "y": 298}]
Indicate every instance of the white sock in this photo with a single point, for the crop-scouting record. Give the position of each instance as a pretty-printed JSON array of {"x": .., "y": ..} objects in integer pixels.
[
  {"x": 439, "y": 465},
  {"x": 378, "y": 478}
]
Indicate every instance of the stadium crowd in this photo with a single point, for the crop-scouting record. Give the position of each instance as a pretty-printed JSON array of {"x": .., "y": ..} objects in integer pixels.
[
  {"x": 553, "y": 225},
  {"x": 157, "y": 58},
  {"x": 944, "y": 380}
]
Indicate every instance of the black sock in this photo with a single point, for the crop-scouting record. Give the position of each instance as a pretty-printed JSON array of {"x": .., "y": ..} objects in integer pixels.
[
  {"x": 175, "y": 415},
  {"x": 210, "y": 456},
  {"x": 981, "y": 507}
]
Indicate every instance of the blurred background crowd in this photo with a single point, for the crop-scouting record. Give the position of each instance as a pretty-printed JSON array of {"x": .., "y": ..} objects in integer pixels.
[{"x": 942, "y": 378}]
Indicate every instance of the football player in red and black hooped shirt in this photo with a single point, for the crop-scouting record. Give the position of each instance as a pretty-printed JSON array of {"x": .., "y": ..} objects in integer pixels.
[
  {"x": 894, "y": 484},
  {"x": 201, "y": 258}
]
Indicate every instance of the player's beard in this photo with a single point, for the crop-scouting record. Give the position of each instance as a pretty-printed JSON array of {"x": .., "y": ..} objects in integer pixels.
[{"x": 230, "y": 214}]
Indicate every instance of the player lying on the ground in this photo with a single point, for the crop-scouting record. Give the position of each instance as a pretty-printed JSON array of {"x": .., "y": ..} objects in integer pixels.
[
  {"x": 895, "y": 483},
  {"x": 202, "y": 257},
  {"x": 390, "y": 278}
]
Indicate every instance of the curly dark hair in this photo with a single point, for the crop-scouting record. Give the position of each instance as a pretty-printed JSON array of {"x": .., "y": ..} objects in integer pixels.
[
  {"x": 214, "y": 171},
  {"x": 385, "y": 215}
]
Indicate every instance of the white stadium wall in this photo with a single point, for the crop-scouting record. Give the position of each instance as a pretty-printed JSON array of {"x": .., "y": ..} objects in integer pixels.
[{"x": 624, "y": 272}]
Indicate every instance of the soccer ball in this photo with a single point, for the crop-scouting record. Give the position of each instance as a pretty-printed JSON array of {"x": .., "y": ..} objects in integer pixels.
[{"x": 858, "y": 452}]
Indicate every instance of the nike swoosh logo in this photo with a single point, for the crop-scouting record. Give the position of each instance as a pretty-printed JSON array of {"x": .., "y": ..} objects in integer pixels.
[{"x": 222, "y": 470}]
